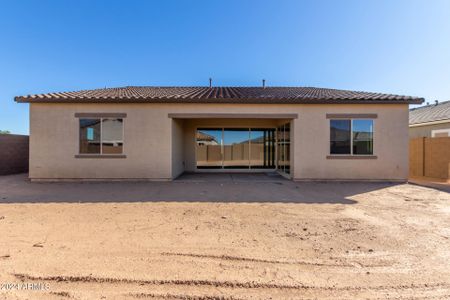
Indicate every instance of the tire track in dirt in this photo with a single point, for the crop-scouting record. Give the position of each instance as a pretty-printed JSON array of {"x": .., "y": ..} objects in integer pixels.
[
  {"x": 413, "y": 298},
  {"x": 62, "y": 294},
  {"x": 305, "y": 263},
  {"x": 181, "y": 296},
  {"x": 257, "y": 260},
  {"x": 224, "y": 284},
  {"x": 212, "y": 283}
]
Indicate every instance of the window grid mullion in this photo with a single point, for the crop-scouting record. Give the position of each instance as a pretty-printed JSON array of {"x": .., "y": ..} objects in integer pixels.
[
  {"x": 249, "y": 147},
  {"x": 284, "y": 148},
  {"x": 351, "y": 136}
]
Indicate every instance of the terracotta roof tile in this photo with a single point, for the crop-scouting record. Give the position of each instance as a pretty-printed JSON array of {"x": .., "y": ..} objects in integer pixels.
[
  {"x": 280, "y": 95},
  {"x": 430, "y": 113}
]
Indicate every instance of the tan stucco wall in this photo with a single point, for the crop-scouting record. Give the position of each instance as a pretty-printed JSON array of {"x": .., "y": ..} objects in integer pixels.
[
  {"x": 54, "y": 142},
  {"x": 312, "y": 134},
  {"x": 150, "y": 135},
  {"x": 425, "y": 131},
  {"x": 177, "y": 147}
]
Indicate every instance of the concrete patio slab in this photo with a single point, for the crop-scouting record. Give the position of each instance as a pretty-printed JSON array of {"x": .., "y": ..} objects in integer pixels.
[{"x": 231, "y": 177}]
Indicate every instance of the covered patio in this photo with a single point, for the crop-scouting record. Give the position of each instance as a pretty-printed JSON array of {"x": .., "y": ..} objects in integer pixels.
[{"x": 244, "y": 143}]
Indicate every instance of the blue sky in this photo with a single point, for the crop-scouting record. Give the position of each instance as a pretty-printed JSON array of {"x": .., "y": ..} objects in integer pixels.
[{"x": 400, "y": 47}]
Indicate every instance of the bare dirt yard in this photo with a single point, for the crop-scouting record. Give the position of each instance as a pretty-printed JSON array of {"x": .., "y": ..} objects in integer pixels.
[{"x": 233, "y": 237}]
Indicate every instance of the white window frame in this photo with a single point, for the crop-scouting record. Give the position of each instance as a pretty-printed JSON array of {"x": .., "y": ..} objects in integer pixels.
[
  {"x": 433, "y": 132},
  {"x": 351, "y": 137}
]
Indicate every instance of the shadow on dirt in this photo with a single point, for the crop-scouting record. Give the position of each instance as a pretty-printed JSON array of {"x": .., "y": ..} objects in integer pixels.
[{"x": 218, "y": 188}]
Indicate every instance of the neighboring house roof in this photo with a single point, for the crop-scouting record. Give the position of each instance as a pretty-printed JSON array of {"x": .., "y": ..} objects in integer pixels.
[
  {"x": 430, "y": 113},
  {"x": 201, "y": 136},
  {"x": 288, "y": 95}
]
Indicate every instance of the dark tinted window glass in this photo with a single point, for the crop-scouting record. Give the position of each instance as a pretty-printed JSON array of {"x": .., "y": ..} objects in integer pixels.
[
  {"x": 340, "y": 136},
  {"x": 90, "y": 136},
  {"x": 112, "y": 136},
  {"x": 363, "y": 137}
]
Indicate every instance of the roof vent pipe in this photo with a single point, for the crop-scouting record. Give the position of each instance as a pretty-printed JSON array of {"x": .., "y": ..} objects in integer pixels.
[
  {"x": 436, "y": 102},
  {"x": 210, "y": 82},
  {"x": 264, "y": 83}
]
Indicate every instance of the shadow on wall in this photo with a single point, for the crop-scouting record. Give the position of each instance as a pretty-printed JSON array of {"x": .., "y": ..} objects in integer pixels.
[
  {"x": 18, "y": 189},
  {"x": 14, "y": 153}
]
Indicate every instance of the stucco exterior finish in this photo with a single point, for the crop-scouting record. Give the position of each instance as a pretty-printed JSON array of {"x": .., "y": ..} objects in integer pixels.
[
  {"x": 160, "y": 148},
  {"x": 177, "y": 148},
  {"x": 425, "y": 131}
]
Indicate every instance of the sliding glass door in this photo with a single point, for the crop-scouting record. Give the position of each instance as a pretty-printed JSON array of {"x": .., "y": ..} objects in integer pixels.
[{"x": 235, "y": 148}]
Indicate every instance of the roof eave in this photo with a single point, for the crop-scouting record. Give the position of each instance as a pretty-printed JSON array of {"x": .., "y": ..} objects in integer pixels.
[
  {"x": 417, "y": 101},
  {"x": 21, "y": 99}
]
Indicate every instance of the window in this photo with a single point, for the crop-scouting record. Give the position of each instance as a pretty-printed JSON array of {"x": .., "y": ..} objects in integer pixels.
[
  {"x": 340, "y": 138},
  {"x": 112, "y": 136},
  {"x": 90, "y": 136},
  {"x": 351, "y": 137},
  {"x": 362, "y": 137},
  {"x": 101, "y": 136},
  {"x": 440, "y": 133}
]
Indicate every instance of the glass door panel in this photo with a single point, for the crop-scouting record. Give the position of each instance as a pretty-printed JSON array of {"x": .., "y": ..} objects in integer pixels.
[
  {"x": 280, "y": 148},
  {"x": 209, "y": 148},
  {"x": 262, "y": 148},
  {"x": 236, "y": 148}
]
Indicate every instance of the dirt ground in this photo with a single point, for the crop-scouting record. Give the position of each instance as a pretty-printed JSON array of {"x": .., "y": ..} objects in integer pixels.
[{"x": 212, "y": 239}]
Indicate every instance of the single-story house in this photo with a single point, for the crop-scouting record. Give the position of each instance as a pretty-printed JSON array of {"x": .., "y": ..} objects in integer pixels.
[
  {"x": 430, "y": 120},
  {"x": 157, "y": 133}
]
